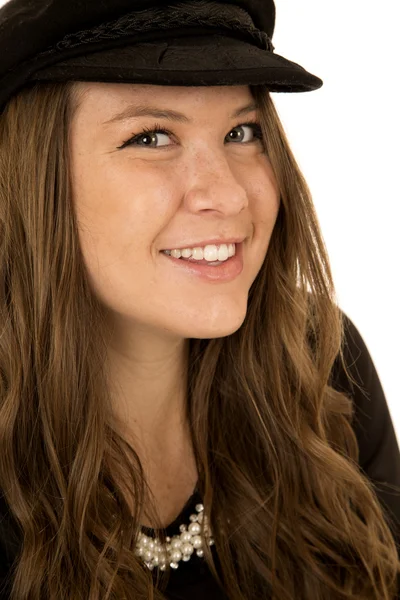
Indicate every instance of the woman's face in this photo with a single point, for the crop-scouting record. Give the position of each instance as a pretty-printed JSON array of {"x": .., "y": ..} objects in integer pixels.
[{"x": 196, "y": 183}]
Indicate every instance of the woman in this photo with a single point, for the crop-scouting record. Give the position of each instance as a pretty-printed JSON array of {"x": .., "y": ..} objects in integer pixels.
[{"x": 172, "y": 428}]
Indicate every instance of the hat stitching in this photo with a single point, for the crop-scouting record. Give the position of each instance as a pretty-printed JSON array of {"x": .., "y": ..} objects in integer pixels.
[{"x": 194, "y": 13}]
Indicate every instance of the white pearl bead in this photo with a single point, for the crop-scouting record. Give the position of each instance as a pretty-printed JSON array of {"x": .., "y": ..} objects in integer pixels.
[
  {"x": 187, "y": 548},
  {"x": 194, "y": 528},
  {"x": 197, "y": 541},
  {"x": 176, "y": 556}
]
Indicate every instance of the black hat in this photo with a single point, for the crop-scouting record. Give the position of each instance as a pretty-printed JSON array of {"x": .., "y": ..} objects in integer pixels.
[{"x": 191, "y": 43}]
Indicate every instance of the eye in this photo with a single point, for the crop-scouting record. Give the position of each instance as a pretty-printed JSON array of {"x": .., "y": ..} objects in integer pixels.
[
  {"x": 150, "y": 136},
  {"x": 253, "y": 126}
]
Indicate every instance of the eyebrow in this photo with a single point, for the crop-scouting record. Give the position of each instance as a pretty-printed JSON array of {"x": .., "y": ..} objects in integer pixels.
[{"x": 144, "y": 110}]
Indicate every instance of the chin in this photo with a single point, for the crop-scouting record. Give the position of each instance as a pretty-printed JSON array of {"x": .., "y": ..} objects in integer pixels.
[{"x": 219, "y": 329}]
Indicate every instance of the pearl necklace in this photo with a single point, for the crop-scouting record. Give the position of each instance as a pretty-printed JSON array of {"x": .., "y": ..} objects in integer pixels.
[{"x": 180, "y": 547}]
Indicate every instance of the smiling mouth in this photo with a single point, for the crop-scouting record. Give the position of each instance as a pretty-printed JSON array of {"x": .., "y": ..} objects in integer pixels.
[{"x": 203, "y": 261}]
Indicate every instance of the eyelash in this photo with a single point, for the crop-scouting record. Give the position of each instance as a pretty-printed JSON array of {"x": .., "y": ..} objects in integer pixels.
[{"x": 158, "y": 129}]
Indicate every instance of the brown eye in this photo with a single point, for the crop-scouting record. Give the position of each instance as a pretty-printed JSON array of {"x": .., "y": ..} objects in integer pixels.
[
  {"x": 151, "y": 135},
  {"x": 239, "y": 135}
]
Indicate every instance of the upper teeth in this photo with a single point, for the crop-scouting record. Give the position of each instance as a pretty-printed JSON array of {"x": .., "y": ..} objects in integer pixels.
[{"x": 210, "y": 252}]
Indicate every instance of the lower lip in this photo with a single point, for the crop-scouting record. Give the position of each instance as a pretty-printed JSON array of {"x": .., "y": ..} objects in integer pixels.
[{"x": 228, "y": 271}]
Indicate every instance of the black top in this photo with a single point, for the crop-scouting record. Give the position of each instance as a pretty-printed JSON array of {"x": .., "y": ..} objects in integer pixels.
[{"x": 379, "y": 458}]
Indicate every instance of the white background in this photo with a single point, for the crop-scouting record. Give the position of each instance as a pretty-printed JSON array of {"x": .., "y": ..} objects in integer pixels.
[{"x": 346, "y": 138}]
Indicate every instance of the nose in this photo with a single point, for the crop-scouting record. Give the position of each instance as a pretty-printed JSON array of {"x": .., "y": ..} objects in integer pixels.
[{"x": 214, "y": 185}]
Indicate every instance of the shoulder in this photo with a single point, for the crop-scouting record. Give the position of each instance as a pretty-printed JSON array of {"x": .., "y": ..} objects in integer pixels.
[
  {"x": 372, "y": 419},
  {"x": 379, "y": 454}
]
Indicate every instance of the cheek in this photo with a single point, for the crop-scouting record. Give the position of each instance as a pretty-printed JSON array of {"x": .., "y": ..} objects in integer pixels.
[
  {"x": 263, "y": 190},
  {"x": 264, "y": 203},
  {"x": 120, "y": 190},
  {"x": 121, "y": 210}
]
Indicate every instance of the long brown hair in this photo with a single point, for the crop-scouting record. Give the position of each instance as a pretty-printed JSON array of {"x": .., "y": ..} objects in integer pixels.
[{"x": 290, "y": 511}]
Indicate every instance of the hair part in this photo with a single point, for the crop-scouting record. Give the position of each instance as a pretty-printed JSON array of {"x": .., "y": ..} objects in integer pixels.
[{"x": 289, "y": 454}]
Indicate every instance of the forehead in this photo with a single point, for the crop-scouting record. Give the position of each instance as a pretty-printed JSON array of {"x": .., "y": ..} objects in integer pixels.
[{"x": 108, "y": 96}]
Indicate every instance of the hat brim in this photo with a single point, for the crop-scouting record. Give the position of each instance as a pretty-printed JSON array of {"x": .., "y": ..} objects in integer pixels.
[{"x": 190, "y": 61}]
